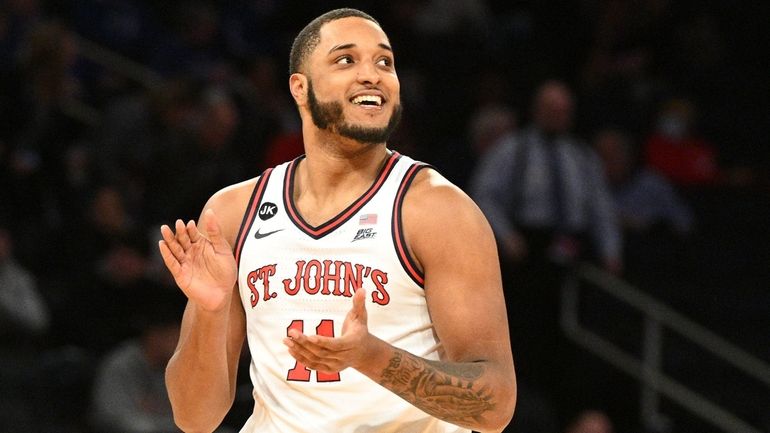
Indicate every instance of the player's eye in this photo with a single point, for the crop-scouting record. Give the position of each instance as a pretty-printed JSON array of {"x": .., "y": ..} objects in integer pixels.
[
  {"x": 344, "y": 60},
  {"x": 385, "y": 61}
]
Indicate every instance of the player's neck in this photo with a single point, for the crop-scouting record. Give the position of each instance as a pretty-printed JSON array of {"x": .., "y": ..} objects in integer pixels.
[
  {"x": 327, "y": 171},
  {"x": 333, "y": 175},
  {"x": 334, "y": 160}
]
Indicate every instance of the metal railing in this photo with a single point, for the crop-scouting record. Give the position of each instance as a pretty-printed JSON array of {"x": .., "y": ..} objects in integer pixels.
[
  {"x": 116, "y": 62},
  {"x": 657, "y": 318},
  {"x": 89, "y": 115}
]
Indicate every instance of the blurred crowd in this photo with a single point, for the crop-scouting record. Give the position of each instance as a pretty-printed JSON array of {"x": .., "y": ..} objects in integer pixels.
[{"x": 630, "y": 133}]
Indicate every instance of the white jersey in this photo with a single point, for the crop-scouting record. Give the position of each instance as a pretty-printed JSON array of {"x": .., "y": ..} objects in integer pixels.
[{"x": 294, "y": 275}]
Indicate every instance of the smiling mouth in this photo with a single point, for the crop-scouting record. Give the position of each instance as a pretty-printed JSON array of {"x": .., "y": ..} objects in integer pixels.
[{"x": 368, "y": 100}]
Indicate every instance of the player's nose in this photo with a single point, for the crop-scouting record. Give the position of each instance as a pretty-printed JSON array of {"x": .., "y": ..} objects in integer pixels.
[{"x": 368, "y": 73}]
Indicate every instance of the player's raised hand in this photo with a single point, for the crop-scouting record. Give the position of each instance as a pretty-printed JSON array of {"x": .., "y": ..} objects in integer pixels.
[
  {"x": 202, "y": 266},
  {"x": 333, "y": 354},
  {"x": 356, "y": 320}
]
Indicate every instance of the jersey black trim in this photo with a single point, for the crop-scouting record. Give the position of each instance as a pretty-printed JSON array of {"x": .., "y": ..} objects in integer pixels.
[
  {"x": 251, "y": 212},
  {"x": 399, "y": 241},
  {"x": 330, "y": 225}
]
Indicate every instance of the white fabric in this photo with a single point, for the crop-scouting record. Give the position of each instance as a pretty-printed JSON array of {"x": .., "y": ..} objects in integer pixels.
[{"x": 354, "y": 403}]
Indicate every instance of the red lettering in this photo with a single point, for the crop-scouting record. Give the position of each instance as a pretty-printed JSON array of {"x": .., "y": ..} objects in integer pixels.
[
  {"x": 264, "y": 273},
  {"x": 299, "y": 372},
  {"x": 332, "y": 277},
  {"x": 353, "y": 281},
  {"x": 251, "y": 281},
  {"x": 380, "y": 295},
  {"x": 327, "y": 277},
  {"x": 297, "y": 278},
  {"x": 306, "y": 278},
  {"x": 326, "y": 328}
]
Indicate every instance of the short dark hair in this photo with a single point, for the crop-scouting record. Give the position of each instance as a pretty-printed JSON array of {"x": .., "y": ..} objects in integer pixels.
[{"x": 309, "y": 37}]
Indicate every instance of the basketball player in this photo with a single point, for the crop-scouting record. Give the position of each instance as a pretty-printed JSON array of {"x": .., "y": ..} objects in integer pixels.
[{"x": 367, "y": 286}]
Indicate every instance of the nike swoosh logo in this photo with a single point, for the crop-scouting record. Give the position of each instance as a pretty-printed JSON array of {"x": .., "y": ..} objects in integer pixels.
[{"x": 259, "y": 235}]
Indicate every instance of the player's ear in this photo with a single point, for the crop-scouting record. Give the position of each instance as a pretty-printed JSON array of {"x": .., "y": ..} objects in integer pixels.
[{"x": 298, "y": 85}]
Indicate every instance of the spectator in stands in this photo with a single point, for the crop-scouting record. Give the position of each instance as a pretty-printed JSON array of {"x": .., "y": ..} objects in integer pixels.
[
  {"x": 39, "y": 111},
  {"x": 124, "y": 26},
  {"x": 676, "y": 151},
  {"x": 194, "y": 46},
  {"x": 104, "y": 260},
  {"x": 136, "y": 130},
  {"x": 487, "y": 125},
  {"x": 272, "y": 132},
  {"x": 643, "y": 198},
  {"x": 544, "y": 193},
  {"x": 129, "y": 393},
  {"x": 618, "y": 81},
  {"x": 24, "y": 317},
  {"x": 658, "y": 223},
  {"x": 23, "y": 310},
  {"x": 201, "y": 162}
]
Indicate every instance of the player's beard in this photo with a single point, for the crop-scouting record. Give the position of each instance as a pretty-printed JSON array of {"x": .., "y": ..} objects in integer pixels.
[{"x": 329, "y": 116}]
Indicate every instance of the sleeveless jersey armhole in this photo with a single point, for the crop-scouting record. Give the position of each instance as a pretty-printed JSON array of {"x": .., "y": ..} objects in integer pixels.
[
  {"x": 250, "y": 214},
  {"x": 399, "y": 241}
]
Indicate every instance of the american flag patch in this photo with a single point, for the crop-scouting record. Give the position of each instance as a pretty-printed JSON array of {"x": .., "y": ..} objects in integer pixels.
[{"x": 369, "y": 218}]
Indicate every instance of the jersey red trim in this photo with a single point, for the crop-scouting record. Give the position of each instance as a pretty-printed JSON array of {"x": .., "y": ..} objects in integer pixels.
[
  {"x": 329, "y": 226},
  {"x": 251, "y": 212},
  {"x": 399, "y": 241}
]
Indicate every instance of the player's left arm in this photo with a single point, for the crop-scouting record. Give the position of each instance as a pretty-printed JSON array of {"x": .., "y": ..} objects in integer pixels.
[{"x": 474, "y": 384}]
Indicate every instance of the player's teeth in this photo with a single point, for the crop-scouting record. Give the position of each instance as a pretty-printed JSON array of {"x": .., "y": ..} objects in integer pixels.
[{"x": 370, "y": 98}]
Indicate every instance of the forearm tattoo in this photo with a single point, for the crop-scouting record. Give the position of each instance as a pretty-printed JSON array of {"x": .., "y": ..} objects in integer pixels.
[{"x": 448, "y": 392}]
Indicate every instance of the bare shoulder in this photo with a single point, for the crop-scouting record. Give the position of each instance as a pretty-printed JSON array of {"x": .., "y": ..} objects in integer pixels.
[
  {"x": 433, "y": 199},
  {"x": 438, "y": 216},
  {"x": 229, "y": 204}
]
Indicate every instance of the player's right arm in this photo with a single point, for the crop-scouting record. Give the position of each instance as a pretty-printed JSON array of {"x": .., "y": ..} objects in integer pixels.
[{"x": 201, "y": 375}]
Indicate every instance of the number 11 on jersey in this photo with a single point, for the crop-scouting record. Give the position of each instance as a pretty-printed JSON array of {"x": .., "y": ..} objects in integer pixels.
[{"x": 300, "y": 373}]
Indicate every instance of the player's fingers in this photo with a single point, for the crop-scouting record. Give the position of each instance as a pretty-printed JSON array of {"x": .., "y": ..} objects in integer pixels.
[
  {"x": 359, "y": 305},
  {"x": 323, "y": 360},
  {"x": 167, "y": 233},
  {"x": 171, "y": 243},
  {"x": 215, "y": 233},
  {"x": 301, "y": 339},
  {"x": 300, "y": 342},
  {"x": 326, "y": 347},
  {"x": 314, "y": 363},
  {"x": 314, "y": 343},
  {"x": 323, "y": 367},
  {"x": 169, "y": 259},
  {"x": 299, "y": 351},
  {"x": 192, "y": 231},
  {"x": 318, "y": 346},
  {"x": 182, "y": 236}
]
